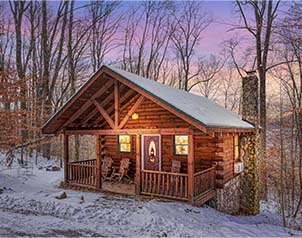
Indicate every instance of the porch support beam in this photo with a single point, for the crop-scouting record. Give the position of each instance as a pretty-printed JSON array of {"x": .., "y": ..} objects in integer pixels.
[
  {"x": 66, "y": 157},
  {"x": 131, "y": 111},
  {"x": 124, "y": 98},
  {"x": 191, "y": 168},
  {"x": 116, "y": 104},
  {"x": 138, "y": 165},
  {"x": 104, "y": 114},
  {"x": 98, "y": 162},
  {"x": 166, "y": 131}
]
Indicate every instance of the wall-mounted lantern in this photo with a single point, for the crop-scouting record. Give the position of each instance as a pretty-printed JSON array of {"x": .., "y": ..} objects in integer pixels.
[{"x": 134, "y": 116}]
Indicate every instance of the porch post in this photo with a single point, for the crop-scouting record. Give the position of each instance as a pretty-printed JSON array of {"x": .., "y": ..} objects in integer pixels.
[
  {"x": 138, "y": 165},
  {"x": 66, "y": 158},
  {"x": 98, "y": 174},
  {"x": 191, "y": 168}
]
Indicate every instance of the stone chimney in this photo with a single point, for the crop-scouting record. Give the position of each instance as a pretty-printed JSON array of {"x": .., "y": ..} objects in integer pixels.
[
  {"x": 249, "y": 147},
  {"x": 250, "y": 103}
]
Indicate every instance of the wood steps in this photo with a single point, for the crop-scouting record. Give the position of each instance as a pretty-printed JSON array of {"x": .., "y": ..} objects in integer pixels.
[{"x": 203, "y": 198}]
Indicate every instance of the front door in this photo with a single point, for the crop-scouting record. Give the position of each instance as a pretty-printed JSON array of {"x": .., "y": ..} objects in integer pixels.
[{"x": 151, "y": 152}]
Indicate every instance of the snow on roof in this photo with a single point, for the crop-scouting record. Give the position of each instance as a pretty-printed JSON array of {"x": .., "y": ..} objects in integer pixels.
[{"x": 198, "y": 108}]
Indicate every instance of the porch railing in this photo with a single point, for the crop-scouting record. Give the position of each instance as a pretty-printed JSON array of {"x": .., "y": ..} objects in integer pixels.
[
  {"x": 82, "y": 172},
  {"x": 164, "y": 184},
  {"x": 204, "y": 182}
]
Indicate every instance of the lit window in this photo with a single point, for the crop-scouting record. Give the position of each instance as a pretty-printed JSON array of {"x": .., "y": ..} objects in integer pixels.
[
  {"x": 124, "y": 143},
  {"x": 181, "y": 145},
  {"x": 236, "y": 147}
]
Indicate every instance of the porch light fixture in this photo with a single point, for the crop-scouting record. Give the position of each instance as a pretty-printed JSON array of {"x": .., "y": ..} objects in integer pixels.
[{"x": 134, "y": 116}]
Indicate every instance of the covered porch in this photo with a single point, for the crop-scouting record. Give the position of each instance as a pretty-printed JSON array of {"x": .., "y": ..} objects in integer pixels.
[{"x": 194, "y": 183}]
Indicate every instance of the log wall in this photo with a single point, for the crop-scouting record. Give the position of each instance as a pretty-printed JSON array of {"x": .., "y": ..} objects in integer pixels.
[
  {"x": 151, "y": 116},
  {"x": 207, "y": 149},
  {"x": 225, "y": 158},
  {"x": 204, "y": 152}
]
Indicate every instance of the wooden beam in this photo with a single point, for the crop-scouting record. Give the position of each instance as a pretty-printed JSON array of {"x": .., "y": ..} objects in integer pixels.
[
  {"x": 98, "y": 175},
  {"x": 95, "y": 111},
  {"x": 131, "y": 111},
  {"x": 230, "y": 130},
  {"x": 104, "y": 114},
  {"x": 116, "y": 104},
  {"x": 125, "y": 97},
  {"x": 191, "y": 168},
  {"x": 87, "y": 104},
  {"x": 66, "y": 158},
  {"x": 138, "y": 165},
  {"x": 156, "y": 100},
  {"x": 73, "y": 99},
  {"x": 165, "y": 131}
]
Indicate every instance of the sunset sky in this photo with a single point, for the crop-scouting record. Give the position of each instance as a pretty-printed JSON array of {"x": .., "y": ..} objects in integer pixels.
[{"x": 223, "y": 14}]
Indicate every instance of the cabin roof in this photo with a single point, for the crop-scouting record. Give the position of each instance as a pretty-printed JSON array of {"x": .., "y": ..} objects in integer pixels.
[{"x": 198, "y": 108}]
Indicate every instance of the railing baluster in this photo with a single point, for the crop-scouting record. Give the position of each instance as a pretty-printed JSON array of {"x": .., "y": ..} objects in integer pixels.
[
  {"x": 176, "y": 185},
  {"x": 158, "y": 183},
  {"x": 166, "y": 184}
]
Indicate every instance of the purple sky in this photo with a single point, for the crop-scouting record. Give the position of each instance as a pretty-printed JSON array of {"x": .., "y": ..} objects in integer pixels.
[{"x": 223, "y": 13}]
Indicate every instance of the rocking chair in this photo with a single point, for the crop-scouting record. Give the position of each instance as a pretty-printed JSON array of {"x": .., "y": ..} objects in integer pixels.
[
  {"x": 175, "y": 166},
  {"x": 123, "y": 170},
  {"x": 106, "y": 166}
]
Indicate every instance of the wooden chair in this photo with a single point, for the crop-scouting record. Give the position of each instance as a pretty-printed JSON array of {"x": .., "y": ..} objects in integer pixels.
[
  {"x": 122, "y": 171},
  {"x": 106, "y": 166},
  {"x": 176, "y": 165}
]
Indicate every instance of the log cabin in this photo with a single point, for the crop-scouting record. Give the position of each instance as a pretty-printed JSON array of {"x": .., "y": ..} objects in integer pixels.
[{"x": 153, "y": 125}]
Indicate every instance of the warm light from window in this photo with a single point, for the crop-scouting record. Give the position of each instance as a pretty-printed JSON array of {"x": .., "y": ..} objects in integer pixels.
[
  {"x": 124, "y": 143},
  {"x": 181, "y": 145},
  {"x": 134, "y": 116}
]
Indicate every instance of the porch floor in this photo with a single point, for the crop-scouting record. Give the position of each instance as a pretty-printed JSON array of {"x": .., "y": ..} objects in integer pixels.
[{"x": 125, "y": 187}]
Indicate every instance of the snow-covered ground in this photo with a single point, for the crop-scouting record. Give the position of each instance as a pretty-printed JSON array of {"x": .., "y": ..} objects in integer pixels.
[{"x": 28, "y": 207}]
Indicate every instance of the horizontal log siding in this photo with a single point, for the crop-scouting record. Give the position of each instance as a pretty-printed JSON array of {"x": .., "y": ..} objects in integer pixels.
[
  {"x": 152, "y": 116},
  {"x": 204, "y": 152},
  {"x": 225, "y": 167},
  {"x": 111, "y": 149}
]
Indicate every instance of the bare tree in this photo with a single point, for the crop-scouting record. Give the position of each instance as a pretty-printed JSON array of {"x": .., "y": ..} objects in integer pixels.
[
  {"x": 260, "y": 28},
  {"x": 205, "y": 78},
  {"x": 146, "y": 38},
  {"x": 189, "y": 23},
  {"x": 230, "y": 88},
  {"x": 104, "y": 30}
]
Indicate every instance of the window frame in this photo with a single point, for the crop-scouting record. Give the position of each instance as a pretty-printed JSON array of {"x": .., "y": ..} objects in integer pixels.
[
  {"x": 174, "y": 145},
  {"x": 118, "y": 143}
]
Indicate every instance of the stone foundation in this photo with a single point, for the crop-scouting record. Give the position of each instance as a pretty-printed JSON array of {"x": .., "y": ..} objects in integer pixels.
[{"x": 228, "y": 199}]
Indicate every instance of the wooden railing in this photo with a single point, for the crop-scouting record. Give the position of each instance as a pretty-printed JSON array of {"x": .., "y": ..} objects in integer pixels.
[
  {"x": 82, "y": 172},
  {"x": 204, "y": 181},
  {"x": 164, "y": 184}
]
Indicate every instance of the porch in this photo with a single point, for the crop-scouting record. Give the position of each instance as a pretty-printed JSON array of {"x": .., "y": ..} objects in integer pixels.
[{"x": 162, "y": 184}]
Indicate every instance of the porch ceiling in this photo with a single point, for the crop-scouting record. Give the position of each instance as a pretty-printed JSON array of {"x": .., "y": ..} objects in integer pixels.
[{"x": 81, "y": 112}]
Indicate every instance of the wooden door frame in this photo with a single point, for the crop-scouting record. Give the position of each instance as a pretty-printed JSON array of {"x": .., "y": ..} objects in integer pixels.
[{"x": 143, "y": 149}]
